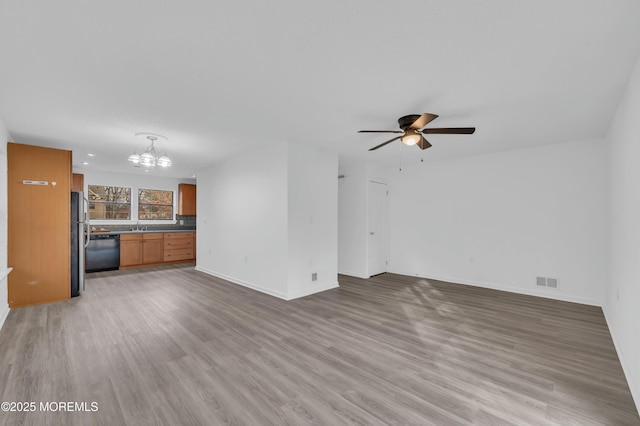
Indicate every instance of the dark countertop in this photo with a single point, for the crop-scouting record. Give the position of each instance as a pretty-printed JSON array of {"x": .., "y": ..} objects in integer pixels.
[{"x": 150, "y": 231}]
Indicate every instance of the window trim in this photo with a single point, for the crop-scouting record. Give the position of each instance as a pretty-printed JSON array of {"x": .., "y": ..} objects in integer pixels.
[
  {"x": 172, "y": 205},
  {"x": 105, "y": 203},
  {"x": 129, "y": 182}
]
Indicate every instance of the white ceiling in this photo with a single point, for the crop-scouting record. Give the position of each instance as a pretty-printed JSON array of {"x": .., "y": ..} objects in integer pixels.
[{"x": 218, "y": 78}]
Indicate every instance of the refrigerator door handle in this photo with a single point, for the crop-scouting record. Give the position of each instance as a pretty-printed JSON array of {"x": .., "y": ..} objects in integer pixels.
[
  {"x": 86, "y": 210},
  {"x": 85, "y": 223},
  {"x": 87, "y": 235}
]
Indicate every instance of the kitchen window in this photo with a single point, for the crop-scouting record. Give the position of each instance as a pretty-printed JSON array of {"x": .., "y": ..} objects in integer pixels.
[
  {"x": 155, "y": 204},
  {"x": 109, "y": 202}
]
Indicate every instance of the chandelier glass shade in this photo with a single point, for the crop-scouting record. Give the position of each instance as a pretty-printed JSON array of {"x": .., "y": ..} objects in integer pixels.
[{"x": 151, "y": 157}]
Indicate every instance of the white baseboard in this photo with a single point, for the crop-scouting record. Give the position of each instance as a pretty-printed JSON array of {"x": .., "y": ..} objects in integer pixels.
[
  {"x": 555, "y": 296},
  {"x": 256, "y": 287},
  {"x": 243, "y": 283},
  {"x": 634, "y": 386},
  {"x": 353, "y": 274},
  {"x": 313, "y": 290}
]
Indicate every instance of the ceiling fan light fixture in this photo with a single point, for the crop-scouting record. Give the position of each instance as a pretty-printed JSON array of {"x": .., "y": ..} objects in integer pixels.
[
  {"x": 412, "y": 128},
  {"x": 411, "y": 137}
]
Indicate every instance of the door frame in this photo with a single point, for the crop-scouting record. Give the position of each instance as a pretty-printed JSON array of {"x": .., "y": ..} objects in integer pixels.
[{"x": 386, "y": 221}]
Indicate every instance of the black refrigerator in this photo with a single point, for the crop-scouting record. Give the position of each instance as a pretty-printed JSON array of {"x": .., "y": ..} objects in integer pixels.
[{"x": 79, "y": 237}]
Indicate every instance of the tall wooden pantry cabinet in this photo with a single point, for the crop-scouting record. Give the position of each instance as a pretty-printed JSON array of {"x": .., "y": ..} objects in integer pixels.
[{"x": 39, "y": 209}]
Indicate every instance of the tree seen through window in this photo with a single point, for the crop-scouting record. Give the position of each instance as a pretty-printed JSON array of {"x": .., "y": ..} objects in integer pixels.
[
  {"x": 155, "y": 204},
  {"x": 109, "y": 202}
]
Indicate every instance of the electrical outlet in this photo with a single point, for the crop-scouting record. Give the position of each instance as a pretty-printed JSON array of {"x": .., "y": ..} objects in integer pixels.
[
  {"x": 181, "y": 222},
  {"x": 314, "y": 276}
]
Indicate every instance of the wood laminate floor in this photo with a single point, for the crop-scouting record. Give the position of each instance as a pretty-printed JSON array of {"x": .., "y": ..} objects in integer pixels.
[{"x": 173, "y": 346}]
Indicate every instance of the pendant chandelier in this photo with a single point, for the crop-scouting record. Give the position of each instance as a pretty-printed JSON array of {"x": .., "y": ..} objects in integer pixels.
[{"x": 151, "y": 157}]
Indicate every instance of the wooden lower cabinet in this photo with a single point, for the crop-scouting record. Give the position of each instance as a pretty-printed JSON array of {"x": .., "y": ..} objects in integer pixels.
[
  {"x": 130, "y": 249},
  {"x": 179, "y": 246},
  {"x": 152, "y": 248},
  {"x": 156, "y": 248}
]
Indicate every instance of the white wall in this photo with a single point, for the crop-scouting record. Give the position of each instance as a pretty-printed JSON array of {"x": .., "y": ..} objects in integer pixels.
[
  {"x": 135, "y": 182},
  {"x": 352, "y": 219},
  {"x": 4, "y": 304},
  {"x": 242, "y": 220},
  {"x": 502, "y": 219},
  {"x": 353, "y": 211},
  {"x": 312, "y": 199},
  {"x": 268, "y": 220},
  {"x": 622, "y": 307}
]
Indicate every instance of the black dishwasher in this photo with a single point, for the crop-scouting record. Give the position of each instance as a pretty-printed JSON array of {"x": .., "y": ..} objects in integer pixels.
[{"x": 103, "y": 253}]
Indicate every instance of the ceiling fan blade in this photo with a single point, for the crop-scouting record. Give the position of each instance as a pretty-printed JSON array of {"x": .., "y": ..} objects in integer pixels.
[
  {"x": 423, "y": 144},
  {"x": 450, "y": 130},
  {"x": 384, "y": 143},
  {"x": 380, "y": 131},
  {"x": 423, "y": 120}
]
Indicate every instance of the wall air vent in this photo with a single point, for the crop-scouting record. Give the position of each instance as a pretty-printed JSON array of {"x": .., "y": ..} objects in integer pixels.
[{"x": 546, "y": 282}]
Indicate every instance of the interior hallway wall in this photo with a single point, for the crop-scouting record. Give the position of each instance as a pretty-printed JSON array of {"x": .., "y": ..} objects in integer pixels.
[
  {"x": 312, "y": 203},
  {"x": 353, "y": 214},
  {"x": 267, "y": 220},
  {"x": 242, "y": 220},
  {"x": 622, "y": 305}
]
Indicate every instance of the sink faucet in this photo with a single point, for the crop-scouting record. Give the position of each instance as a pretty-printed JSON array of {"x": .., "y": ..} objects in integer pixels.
[{"x": 139, "y": 227}]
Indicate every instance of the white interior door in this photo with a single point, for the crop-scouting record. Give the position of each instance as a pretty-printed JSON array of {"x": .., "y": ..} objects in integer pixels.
[{"x": 378, "y": 228}]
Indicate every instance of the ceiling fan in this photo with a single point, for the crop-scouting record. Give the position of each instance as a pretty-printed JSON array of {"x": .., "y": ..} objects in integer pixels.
[{"x": 411, "y": 125}]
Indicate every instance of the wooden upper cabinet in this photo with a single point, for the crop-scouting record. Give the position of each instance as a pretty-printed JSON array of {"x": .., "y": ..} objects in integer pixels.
[
  {"x": 77, "y": 183},
  {"x": 39, "y": 224},
  {"x": 186, "y": 199}
]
